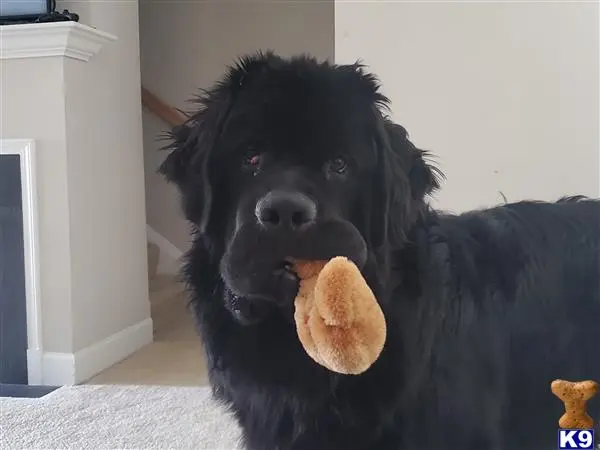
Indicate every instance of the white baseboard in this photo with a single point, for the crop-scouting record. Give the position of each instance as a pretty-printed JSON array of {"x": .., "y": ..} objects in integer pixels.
[
  {"x": 60, "y": 369},
  {"x": 94, "y": 359},
  {"x": 169, "y": 258}
]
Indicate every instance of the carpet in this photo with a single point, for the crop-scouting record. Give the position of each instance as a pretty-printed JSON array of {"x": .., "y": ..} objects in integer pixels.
[{"x": 118, "y": 417}]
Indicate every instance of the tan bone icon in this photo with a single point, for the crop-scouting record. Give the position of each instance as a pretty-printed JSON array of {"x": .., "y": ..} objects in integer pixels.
[{"x": 575, "y": 395}]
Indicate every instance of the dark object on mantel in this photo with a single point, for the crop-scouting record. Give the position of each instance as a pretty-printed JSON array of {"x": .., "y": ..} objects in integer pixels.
[
  {"x": 33, "y": 11},
  {"x": 54, "y": 16}
]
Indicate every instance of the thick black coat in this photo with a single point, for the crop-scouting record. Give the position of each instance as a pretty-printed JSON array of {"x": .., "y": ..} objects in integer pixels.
[{"x": 484, "y": 309}]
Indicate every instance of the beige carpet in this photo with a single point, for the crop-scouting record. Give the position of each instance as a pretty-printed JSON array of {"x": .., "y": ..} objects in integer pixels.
[{"x": 118, "y": 417}]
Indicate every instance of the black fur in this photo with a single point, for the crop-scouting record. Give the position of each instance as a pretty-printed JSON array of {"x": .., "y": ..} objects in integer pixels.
[{"x": 484, "y": 309}]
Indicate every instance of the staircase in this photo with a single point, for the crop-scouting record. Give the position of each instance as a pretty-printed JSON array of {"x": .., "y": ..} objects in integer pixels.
[
  {"x": 171, "y": 117},
  {"x": 165, "y": 289},
  {"x": 153, "y": 256}
]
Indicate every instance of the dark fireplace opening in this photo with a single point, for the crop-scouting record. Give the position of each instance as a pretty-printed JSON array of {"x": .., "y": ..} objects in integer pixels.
[{"x": 13, "y": 302}]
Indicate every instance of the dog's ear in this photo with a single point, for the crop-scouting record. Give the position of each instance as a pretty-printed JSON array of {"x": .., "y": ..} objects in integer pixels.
[
  {"x": 174, "y": 166},
  {"x": 192, "y": 146},
  {"x": 403, "y": 179},
  {"x": 423, "y": 177}
]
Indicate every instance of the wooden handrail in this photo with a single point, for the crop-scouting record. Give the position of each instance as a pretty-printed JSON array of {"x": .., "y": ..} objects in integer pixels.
[{"x": 161, "y": 109}]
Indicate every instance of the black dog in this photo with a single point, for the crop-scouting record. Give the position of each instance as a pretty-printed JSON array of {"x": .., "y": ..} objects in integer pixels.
[{"x": 296, "y": 159}]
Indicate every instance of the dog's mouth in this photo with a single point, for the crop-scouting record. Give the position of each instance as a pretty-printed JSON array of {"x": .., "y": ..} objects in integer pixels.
[
  {"x": 287, "y": 278},
  {"x": 286, "y": 268},
  {"x": 258, "y": 266},
  {"x": 277, "y": 296}
]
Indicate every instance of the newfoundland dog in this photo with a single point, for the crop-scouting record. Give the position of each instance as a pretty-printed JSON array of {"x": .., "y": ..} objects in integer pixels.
[{"x": 296, "y": 158}]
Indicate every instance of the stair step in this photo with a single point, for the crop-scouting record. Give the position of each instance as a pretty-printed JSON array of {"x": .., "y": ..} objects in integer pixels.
[
  {"x": 163, "y": 287},
  {"x": 153, "y": 257}
]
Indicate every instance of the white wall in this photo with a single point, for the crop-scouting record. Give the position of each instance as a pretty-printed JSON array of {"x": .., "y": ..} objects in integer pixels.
[
  {"x": 505, "y": 94},
  {"x": 188, "y": 45}
]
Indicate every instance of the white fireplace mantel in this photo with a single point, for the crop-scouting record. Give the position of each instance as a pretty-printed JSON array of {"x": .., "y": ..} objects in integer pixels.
[{"x": 68, "y": 39}]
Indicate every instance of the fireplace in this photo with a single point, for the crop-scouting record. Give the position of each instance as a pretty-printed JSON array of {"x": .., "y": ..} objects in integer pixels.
[{"x": 20, "y": 328}]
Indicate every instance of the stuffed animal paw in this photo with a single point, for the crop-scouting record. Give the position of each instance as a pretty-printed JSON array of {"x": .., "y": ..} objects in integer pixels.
[{"x": 338, "y": 320}]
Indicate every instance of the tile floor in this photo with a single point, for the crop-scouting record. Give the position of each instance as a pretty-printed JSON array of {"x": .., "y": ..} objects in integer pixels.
[{"x": 175, "y": 357}]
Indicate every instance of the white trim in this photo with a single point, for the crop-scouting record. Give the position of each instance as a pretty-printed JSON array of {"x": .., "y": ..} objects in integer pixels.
[
  {"x": 35, "y": 368},
  {"x": 35, "y": 40},
  {"x": 58, "y": 368},
  {"x": 169, "y": 257},
  {"x": 25, "y": 149},
  {"x": 97, "y": 357},
  {"x": 62, "y": 369}
]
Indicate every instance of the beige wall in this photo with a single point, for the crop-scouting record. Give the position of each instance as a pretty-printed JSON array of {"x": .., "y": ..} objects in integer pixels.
[
  {"x": 187, "y": 46},
  {"x": 505, "y": 94},
  {"x": 106, "y": 179},
  {"x": 86, "y": 120}
]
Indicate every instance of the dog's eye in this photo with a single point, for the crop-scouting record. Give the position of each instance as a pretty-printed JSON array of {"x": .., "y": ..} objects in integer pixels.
[
  {"x": 252, "y": 159},
  {"x": 337, "y": 165}
]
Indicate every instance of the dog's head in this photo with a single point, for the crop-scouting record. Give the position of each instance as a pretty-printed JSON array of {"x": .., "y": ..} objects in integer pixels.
[{"x": 294, "y": 159}]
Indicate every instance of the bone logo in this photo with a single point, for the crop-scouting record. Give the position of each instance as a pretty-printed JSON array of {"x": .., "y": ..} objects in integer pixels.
[{"x": 576, "y": 426}]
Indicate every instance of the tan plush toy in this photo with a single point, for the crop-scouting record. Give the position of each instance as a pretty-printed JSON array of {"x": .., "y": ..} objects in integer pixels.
[{"x": 338, "y": 319}]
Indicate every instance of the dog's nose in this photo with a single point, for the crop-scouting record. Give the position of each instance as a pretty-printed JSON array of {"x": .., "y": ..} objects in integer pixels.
[{"x": 282, "y": 209}]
